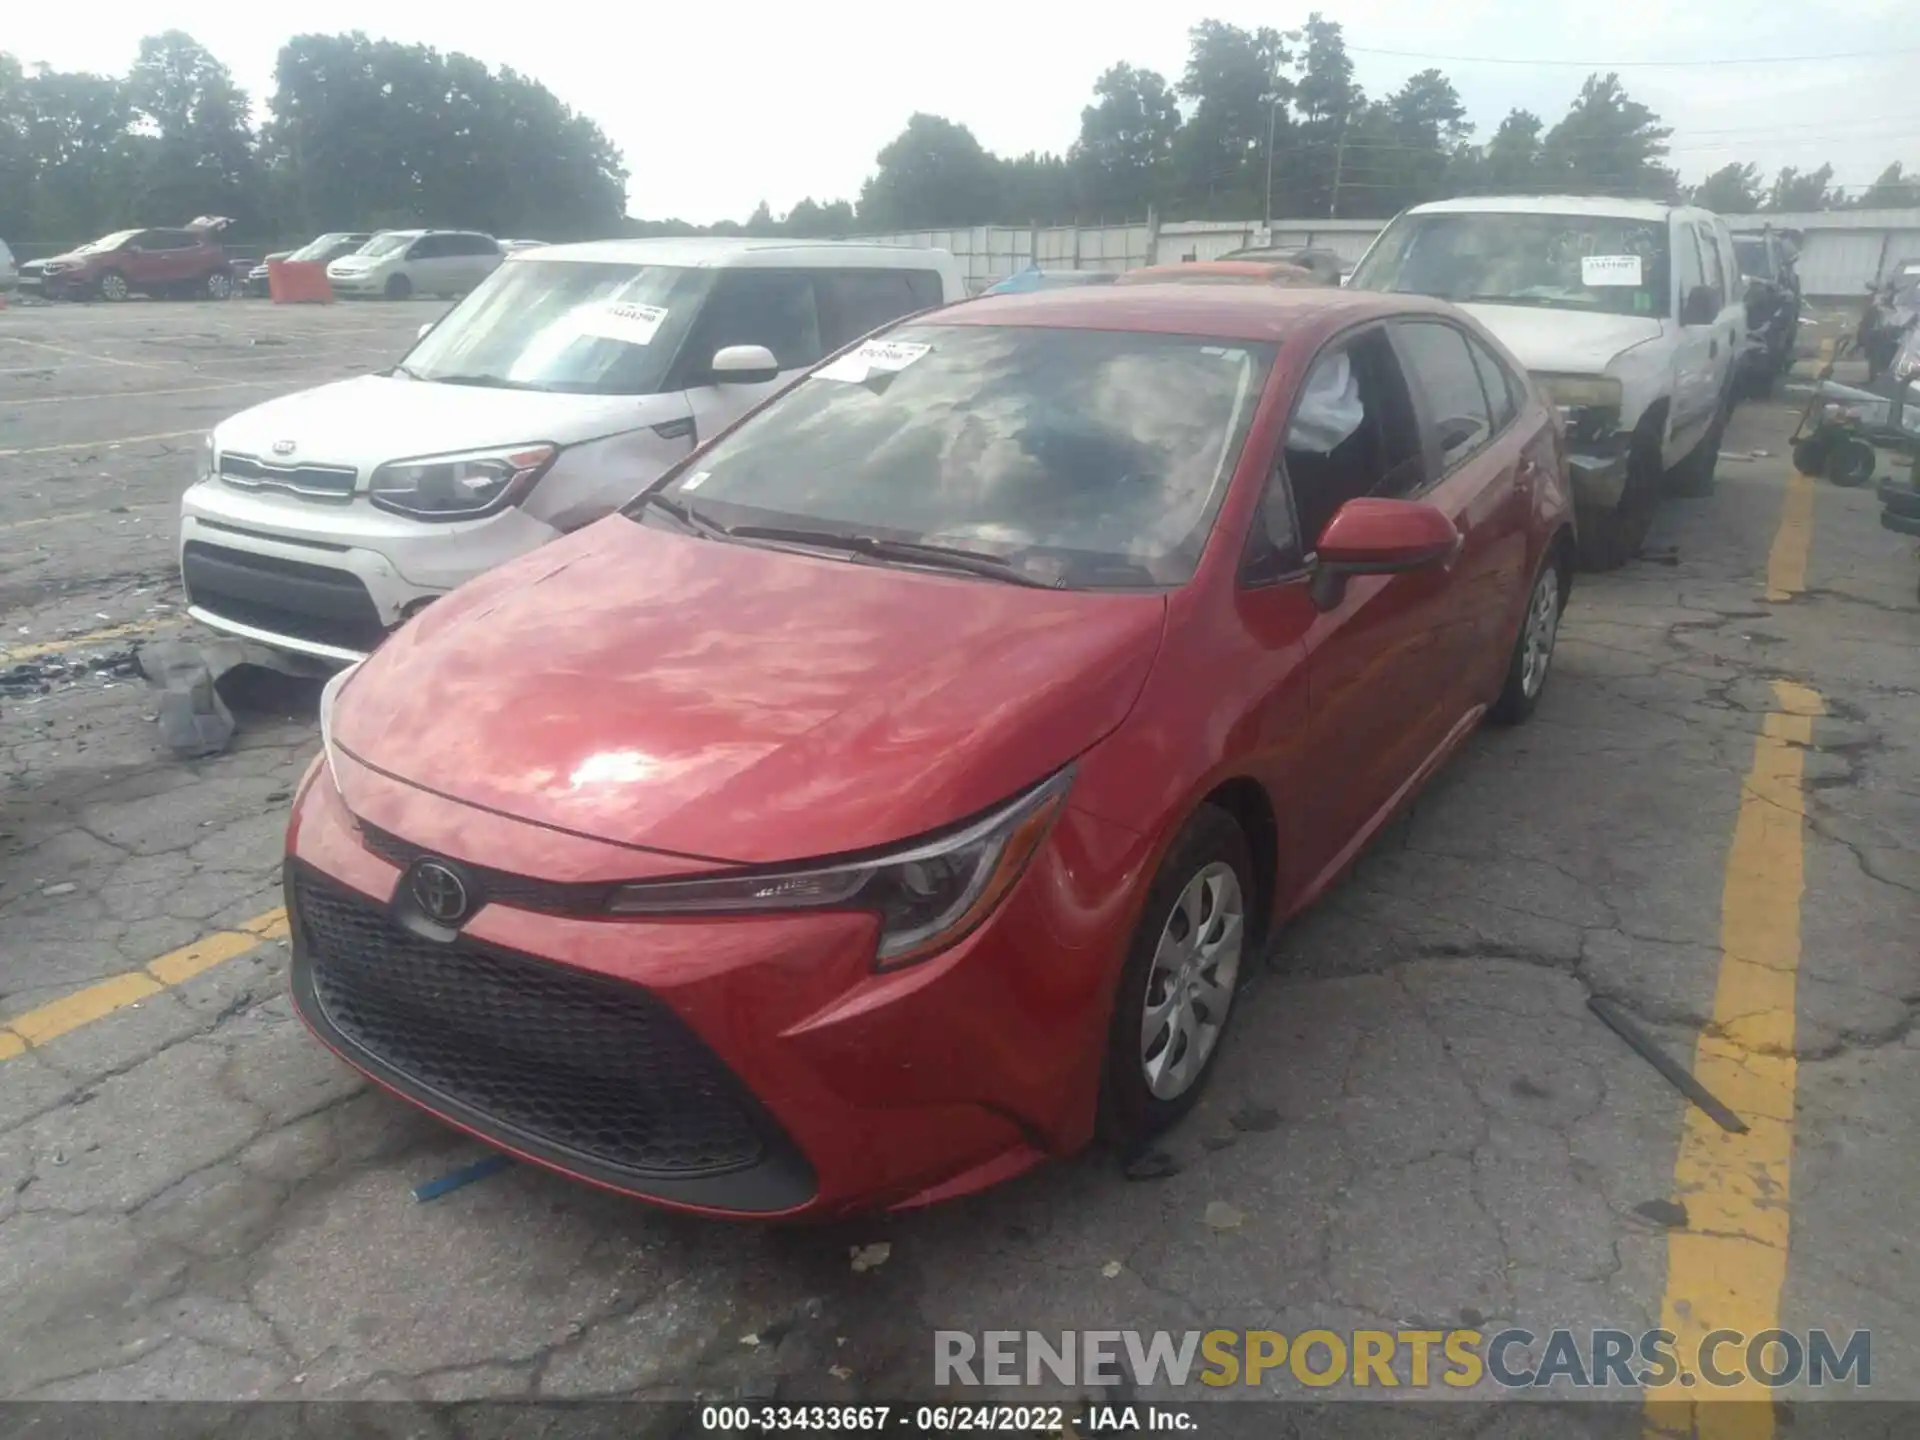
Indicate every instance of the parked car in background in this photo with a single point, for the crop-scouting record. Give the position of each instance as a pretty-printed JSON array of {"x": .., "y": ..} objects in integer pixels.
[
  {"x": 1326, "y": 266},
  {"x": 1770, "y": 290},
  {"x": 1034, "y": 278},
  {"x": 511, "y": 245},
  {"x": 1222, "y": 272},
  {"x": 318, "y": 251},
  {"x": 187, "y": 262},
  {"x": 399, "y": 263},
  {"x": 9, "y": 272},
  {"x": 1025, "y": 668},
  {"x": 1629, "y": 314},
  {"x": 571, "y": 378}
]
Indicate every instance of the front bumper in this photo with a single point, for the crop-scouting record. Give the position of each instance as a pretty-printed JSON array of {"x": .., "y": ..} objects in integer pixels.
[
  {"x": 328, "y": 580},
  {"x": 365, "y": 282},
  {"x": 823, "y": 1088}
]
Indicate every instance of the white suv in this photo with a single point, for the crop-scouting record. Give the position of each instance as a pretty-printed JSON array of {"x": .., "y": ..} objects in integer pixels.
[
  {"x": 1628, "y": 313},
  {"x": 399, "y": 263},
  {"x": 563, "y": 386}
]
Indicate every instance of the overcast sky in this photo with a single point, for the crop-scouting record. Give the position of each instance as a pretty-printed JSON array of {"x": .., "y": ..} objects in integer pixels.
[{"x": 719, "y": 106}]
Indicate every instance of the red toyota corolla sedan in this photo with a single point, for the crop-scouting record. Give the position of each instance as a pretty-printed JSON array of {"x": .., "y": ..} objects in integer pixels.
[{"x": 896, "y": 793}]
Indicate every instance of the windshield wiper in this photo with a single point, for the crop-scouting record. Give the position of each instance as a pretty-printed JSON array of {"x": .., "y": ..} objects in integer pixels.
[
  {"x": 914, "y": 552},
  {"x": 403, "y": 370},
  {"x": 685, "y": 514},
  {"x": 491, "y": 382}
]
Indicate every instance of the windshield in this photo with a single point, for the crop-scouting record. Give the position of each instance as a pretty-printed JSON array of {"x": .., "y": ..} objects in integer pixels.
[
  {"x": 388, "y": 243},
  {"x": 107, "y": 242},
  {"x": 1081, "y": 457},
  {"x": 324, "y": 248},
  {"x": 589, "y": 329},
  {"x": 1564, "y": 262},
  {"x": 1754, "y": 259}
]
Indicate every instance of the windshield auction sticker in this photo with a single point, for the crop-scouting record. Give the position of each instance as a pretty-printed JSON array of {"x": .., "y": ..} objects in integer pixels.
[
  {"x": 876, "y": 357},
  {"x": 1599, "y": 271},
  {"x": 632, "y": 324}
]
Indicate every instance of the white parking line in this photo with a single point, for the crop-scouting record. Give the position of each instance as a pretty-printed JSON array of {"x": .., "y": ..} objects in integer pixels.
[
  {"x": 142, "y": 394},
  {"x": 102, "y": 444}
]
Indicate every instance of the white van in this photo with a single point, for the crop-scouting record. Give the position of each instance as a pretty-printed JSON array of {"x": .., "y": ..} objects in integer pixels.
[{"x": 546, "y": 399}]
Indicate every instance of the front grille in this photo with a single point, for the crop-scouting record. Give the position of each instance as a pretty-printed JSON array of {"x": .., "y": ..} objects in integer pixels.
[
  {"x": 285, "y": 597},
  {"x": 321, "y": 482},
  {"x": 500, "y": 887},
  {"x": 535, "y": 1053}
]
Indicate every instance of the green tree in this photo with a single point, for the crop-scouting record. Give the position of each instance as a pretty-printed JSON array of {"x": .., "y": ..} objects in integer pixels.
[
  {"x": 1236, "y": 83},
  {"x": 1733, "y": 189},
  {"x": 201, "y": 160},
  {"x": 1894, "y": 190},
  {"x": 1325, "y": 104},
  {"x": 1126, "y": 142},
  {"x": 1512, "y": 161},
  {"x": 812, "y": 220},
  {"x": 933, "y": 173},
  {"x": 1791, "y": 191},
  {"x": 83, "y": 162},
  {"x": 1609, "y": 144}
]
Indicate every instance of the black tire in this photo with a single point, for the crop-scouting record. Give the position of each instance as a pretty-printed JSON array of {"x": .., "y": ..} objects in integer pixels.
[
  {"x": 1850, "y": 463},
  {"x": 399, "y": 287},
  {"x": 1521, "y": 691},
  {"x": 1611, "y": 538},
  {"x": 1810, "y": 456},
  {"x": 112, "y": 285},
  {"x": 1693, "y": 477},
  {"x": 217, "y": 286},
  {"x": 1130, "y": 1112}
]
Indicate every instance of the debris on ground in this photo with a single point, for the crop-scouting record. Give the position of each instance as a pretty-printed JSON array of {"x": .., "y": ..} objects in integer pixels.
[
  {"x": 1661, "y": 555},
  {"x": 1221, "y": 1216},
  {"x": 461, "y": 1178},
  {"x": 1110, "y": 1269},
  {"x": 1154, "y": 1165},
  {"x": 64, "y": 888},
  {"x": 869, "y": 1257},
  {"x": 193, "y": 715},
  {"x": 40, "y": 676},
  {"x": 1676, "y": 1074},
  {"x": 1663, "y": 1212},
  {"x": 1256, "y": 1119},
  {"x": 840, "y": 1372}
]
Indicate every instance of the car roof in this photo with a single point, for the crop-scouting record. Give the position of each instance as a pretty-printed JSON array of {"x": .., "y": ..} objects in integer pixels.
[
  {"x": 1277, "y": 271},
  {"x": 1225, "y": 312},
  {"x": 718, "y": 251},
  {"x": 1598, "y": 205}
]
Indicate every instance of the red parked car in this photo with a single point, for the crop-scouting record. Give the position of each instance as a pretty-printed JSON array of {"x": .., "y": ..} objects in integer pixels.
[
  {"x": 188, "y": 262},
  {"x": 898, "y": 791}
]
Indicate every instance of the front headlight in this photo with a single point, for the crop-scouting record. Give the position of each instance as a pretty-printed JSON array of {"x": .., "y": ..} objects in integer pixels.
[
  {"x": 330, "y": 693},
  {"x": 460, "y": 486},
  {"x": 1589, "y": 405},
  {"x": 928, "y": 896}
]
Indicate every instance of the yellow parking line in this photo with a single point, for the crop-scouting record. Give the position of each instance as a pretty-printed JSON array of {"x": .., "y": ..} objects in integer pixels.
[
  {"x": 99, "y": 359},
  {"x": 107, "y": 444},
  {"x": 14, "y": 654},
  {"x": 145, "y": 394},
  {"x": 102, "y": 998},
  {"x": 1727, "y": 1267}
]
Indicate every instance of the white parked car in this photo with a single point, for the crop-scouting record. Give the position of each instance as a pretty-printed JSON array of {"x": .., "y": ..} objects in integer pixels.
[
  {"x": 546, "y": 399},
  {"x": 1629, "y": 314},
  {"x": 512, "y": 245},
  {"x": 399, "y": 263},
  {"x": 9, "y": 272}
]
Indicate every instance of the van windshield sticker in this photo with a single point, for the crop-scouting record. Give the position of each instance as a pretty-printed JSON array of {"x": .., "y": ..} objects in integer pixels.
[
  {"x": 1597, "y": 271},
  {"x": 876, "y": 357},
  {"x": 631, "y": 324}
]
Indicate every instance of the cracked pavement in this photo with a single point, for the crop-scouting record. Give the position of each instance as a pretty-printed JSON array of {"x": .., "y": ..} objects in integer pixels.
[{"x": 1417, "y": 1122}]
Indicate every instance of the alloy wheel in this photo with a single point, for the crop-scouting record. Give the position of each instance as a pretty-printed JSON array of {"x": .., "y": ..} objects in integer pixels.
[
  {"x": 1542, "y": 629},
  {"x": 219, "y": 285},
  {"x": 1190, "y": 983},
  {"x": 113, "y": 286}
]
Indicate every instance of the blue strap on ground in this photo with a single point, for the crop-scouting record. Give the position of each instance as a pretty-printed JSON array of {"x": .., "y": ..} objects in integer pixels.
[{"x": 465, "y": 1175}]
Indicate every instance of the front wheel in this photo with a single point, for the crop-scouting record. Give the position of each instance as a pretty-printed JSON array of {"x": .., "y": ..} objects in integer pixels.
[
  {"x": 219, "y": 285},
  {"x": 1180, "y": 978},
  {"x": 1850, "y": 462},
  {"x": 1532, "y": 653},
  {"x": 113, "y": 286},
  {"x": 399, "y": 287}
]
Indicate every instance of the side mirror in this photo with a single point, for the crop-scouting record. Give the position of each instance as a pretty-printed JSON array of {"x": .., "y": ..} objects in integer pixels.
[
  {"x": 1700, "y": 307},
  {"x": 1373, "y": 536},
  {"x": 744, "y": 365}
]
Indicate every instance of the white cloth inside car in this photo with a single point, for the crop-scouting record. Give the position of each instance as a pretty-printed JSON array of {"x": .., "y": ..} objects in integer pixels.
[{"x": 1330, "y": 408}]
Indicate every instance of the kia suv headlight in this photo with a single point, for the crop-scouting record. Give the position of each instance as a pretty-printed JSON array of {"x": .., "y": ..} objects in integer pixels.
[
  {"x": 460, "y": 486},
  {"x": 928, "y": 895}
]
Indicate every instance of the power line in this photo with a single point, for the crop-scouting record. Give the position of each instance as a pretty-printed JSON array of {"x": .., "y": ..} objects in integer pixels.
[{"x": 1638, "y": 64}]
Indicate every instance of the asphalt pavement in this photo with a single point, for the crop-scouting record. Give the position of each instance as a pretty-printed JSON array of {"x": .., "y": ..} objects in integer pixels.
[{"x": 1419, "y": 1122}]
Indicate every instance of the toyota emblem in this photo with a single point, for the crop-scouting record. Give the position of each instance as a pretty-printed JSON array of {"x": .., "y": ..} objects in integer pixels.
[
  {"x": 283, "y": 447},
  {"x": 439, "y": 892}
]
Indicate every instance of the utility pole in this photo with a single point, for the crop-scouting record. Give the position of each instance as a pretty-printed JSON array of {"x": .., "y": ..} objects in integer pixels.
[
  {"x": 1339, "y": 159},
  {"x": 1273, "y": 113}
]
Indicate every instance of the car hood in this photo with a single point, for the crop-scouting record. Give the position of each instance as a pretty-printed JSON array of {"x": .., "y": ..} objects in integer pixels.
[
  {"x": 65, "y": 257},
  {"x": 739, "y": 703},
  {"x": 371, "y": 419},
  {"x": 1569, "y": 342}
]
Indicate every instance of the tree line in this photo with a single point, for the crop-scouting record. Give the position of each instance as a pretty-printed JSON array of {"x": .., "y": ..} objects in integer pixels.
[{"x": 366, "y": 134}]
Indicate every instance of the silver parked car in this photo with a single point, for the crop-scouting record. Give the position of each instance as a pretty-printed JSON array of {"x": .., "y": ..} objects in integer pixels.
[{"x": 9, "y": 272}]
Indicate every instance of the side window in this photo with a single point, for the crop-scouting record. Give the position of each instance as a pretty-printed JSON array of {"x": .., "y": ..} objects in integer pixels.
[
  {"x": 170, "y": 240},
  {"x": 1710, "y": 254},
  {"x": 774, "y": 308},
  {"x": 1497, "y": 382},
  {"x": 1353, "y": 432},
  {"x": 427, "y": 247},
  {"x": 927, "y": 287},
  {"x": 860, "y": 301},
  {"x": 1686, "y": 261},
  {"x": 1439, "y": 363},
  {"x": 479, "y": 245}
]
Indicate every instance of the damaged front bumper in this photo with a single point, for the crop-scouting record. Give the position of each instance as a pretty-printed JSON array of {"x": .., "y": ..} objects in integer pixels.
[{"x": 1599, "y": 474}]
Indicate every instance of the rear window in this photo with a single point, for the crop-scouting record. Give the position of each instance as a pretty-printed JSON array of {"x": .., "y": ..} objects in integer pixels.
[{"x": 1083, "y": 457}]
